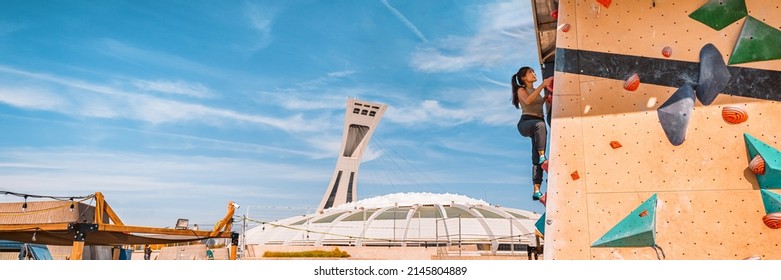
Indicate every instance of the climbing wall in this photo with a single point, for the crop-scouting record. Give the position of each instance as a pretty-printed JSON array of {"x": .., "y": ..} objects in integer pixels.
[{"x": 659, "y": 106}]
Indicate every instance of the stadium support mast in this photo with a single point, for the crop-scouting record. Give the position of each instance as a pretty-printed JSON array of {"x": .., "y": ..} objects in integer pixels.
[{"x": 361, "y": 118}]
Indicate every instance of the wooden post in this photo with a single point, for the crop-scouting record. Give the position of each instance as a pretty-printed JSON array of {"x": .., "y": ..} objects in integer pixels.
[
  {"x": 77, "y": 250},
  {"x": 234, "y": 250},
  {"x": 115, "y": 253}
]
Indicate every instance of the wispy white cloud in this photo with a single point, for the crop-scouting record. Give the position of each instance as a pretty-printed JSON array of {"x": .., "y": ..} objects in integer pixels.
[
  {"x": 489, "y": 107},
  {"x": 404, "y": 20},
  {"x": 31, "y": 98},
  {"x": 96, "y": 100},
  {"x": 175, "y": 87},
  {"x": 135, "y": 55},
  {"x": 260, "y": 20},
  {"x": 502, "y": 36}
]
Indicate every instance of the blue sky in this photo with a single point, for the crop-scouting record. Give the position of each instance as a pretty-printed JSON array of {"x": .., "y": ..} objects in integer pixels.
[{"x": 173, "y": 108}]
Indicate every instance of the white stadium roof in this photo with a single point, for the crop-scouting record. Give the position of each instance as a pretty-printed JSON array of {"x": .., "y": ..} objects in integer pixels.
[{"x": 403, "y": 219}]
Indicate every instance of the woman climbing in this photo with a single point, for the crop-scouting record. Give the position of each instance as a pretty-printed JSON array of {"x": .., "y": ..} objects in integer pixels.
[{"x": 532, "y": 123}]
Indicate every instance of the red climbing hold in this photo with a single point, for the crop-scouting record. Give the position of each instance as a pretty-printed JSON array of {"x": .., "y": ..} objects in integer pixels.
[
  {"x": 545, "y": 166},
  {"x": 544, "y": 199},
  {"x": 615, "y": 144},
  {"x": 632, "y": 83},
  {"x": 555, "y": 14},
  {"x": 575, "y": 175},
  {"x": 605, "y": 3},
  {"x": 772, "y": 220},
  {"x": 565, "y": 27},
  {"x": 667, "y": 51},
  {"x": 757, "y": 165},
  {"x": 734, "y": 115}
]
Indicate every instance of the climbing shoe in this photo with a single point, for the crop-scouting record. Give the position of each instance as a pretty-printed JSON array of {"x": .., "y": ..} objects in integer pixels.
[{"x": 536, "y": 196}]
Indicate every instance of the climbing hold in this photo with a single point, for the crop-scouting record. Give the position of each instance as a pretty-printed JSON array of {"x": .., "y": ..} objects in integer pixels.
[
  {"x": 575, "y": 175},
  {"x": 757, "y": 165},
  {"x": 734, "y": 115},
  {"x": 675, "y": 113},
  {"x": 632, "y": 82},
  {"x": 540, "y": 224},
  {"x": 772, "y": 157},
  {"x": 615, "y": 144},
  {"x": 638, "y": 229},
  {"x": 565, "y": 27},
  {"x": 667, "y": 51},
  {"x": 721, "y": 13},
  {"x": 545, "y": 166},
  {"x": 771, "y": 201},
  {"x": 757, "y": 42},
  {"x": 544, "y": 199},
  {"x": 772, "y": 220},
  {"x": 605, "y": 3},
  {"x": 714, "y": 75},
  {"x": 555, "y": 14}
]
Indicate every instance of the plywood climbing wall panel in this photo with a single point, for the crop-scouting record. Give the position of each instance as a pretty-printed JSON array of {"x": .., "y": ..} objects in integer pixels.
[{"x": 709, "y": 202}]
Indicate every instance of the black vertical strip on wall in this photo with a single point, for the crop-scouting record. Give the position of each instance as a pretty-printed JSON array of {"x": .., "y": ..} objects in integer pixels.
[
  {"x": 350, "y": 187},
  {"x": 746, "y": 82},
  {"x": 332, "y": 196}
]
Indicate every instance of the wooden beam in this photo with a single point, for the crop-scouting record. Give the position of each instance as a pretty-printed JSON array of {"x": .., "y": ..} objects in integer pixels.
[
  {"x": 99, "y": 201},
  {"x": 168, "y": 231},
  {"x": 77, "y": 251},
  {"x": 34, "y": 227},
  {"x": 112, "y": 215}
]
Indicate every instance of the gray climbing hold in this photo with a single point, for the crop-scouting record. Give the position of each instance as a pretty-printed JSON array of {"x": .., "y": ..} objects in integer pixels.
[
  {"x": 714, "y": 75},
  {"x": 675, "y": 113}
]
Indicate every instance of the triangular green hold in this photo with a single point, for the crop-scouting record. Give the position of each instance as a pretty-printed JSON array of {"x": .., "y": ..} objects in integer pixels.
[
  {"x": 540, "y": 224},
  {"x": 772, "y": 177},
  {"x": 772, "y": 201},
  {"x": 720, "y": 13},
  {"x": 636, "y": 230},
  {"x": 757, "y": 42}
]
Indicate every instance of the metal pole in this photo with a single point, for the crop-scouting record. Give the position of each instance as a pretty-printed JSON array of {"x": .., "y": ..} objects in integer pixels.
[{"x": 459, "y": 235}]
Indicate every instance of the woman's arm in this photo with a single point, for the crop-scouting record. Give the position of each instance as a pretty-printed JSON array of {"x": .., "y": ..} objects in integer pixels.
[{"x": 527, "y": 98}]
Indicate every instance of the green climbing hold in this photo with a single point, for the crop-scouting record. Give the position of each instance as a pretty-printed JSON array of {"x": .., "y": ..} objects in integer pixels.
[
  {"x": 720, "y": 13},
  {"x": 638, "y": 229},
  {"x": 757, "y": 42},
  {"x": 772, "y": 201},
  {"x": 540, "y": 224},
  {"x": 772, "y": 177}
]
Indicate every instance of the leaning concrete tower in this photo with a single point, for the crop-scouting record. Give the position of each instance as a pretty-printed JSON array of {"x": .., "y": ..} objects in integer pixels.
[{"x": 361, "y": 118}]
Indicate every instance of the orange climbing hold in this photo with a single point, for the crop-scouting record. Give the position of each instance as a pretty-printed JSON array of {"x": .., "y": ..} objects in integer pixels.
[
  {"x": 772, "y": 220},
  {"x": 757, "y": 165},
  {"x": 632, "y": 83},
  {"x": 605, "y": 3},
  {"x": 734, "y": 115},
  {"x": 575, "y": 175},
  {"x": 565, "y": 27},
  {"x": 644, "y": 213},
  {"x": 667, "y": 51},
  {"x": 615, "y": 144}
]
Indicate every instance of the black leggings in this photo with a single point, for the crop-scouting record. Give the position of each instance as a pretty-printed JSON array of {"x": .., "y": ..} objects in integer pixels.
[{"x": 534, "y": 128}]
